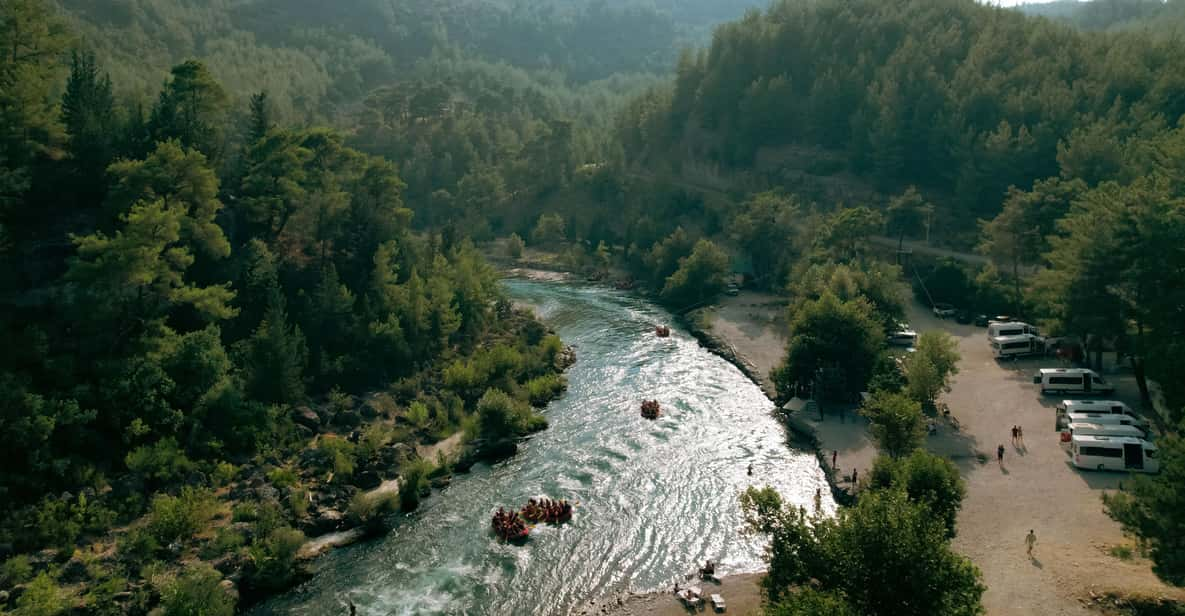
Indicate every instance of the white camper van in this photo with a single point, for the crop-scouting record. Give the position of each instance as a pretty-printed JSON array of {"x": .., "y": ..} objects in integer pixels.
[
  {"x": 1098, "y": 409},
  {"x": 1017, "y": 346},
  {"x": 1077, "y": 380},
  {"x": 1114, "y": 453},
  {"x": 1011, "y": 328},
  {"x": 1102, "y": 429}
]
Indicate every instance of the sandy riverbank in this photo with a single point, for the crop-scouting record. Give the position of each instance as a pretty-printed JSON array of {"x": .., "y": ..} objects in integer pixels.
[
  {"x": 742, "y": 594},
  {"x": 1035, "y": 488}
]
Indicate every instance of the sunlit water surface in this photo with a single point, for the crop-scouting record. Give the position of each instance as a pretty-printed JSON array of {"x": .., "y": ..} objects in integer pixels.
[{"x": 655, "y": 497}]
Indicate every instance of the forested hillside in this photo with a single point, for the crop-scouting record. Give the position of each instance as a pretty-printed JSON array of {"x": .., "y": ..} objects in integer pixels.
[
  {"x": 959, "y": 98},
  {"x": 316, "y": 58},
  {"x": 194, "y": 294}
]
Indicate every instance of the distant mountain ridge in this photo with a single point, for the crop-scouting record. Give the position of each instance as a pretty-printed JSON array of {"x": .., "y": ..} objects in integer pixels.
[
  {"x": 1097, "y": 15},
  {"x": 313, "y": 56}
]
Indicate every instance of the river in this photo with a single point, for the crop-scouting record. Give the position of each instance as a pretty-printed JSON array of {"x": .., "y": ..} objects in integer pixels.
[{"x": 655, "y": 497}]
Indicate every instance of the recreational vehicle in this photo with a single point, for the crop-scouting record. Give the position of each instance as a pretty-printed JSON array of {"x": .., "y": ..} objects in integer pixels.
[
  {"x": 1011, "y": 328},
  {"x": 1098, "y": 408},
  {"x": 1076, "y": 380},
  {"x": 1114, "y": 453},
  {"x": 1103, "y": 429},
  {"x": 1017, "y": 346}
]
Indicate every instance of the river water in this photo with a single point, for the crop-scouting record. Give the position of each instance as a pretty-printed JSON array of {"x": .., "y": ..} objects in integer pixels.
[{"x": 654, "y": 497}]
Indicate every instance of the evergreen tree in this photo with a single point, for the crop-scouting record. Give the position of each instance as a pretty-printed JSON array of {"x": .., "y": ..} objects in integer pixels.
[
  {"x": 192, "y": 108},
  {"x": 261, "y": 117},
  {"x": 274, "y": 358},
  {"x": 88, "y": 114}
]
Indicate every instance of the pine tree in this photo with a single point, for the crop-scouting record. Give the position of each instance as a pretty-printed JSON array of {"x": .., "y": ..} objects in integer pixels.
[
  {"x": 261, "y": 117},
  {"x": 274, "y": 358},
  {"x": 192, "y": 109},
  {"x": 88, "y": 113}
]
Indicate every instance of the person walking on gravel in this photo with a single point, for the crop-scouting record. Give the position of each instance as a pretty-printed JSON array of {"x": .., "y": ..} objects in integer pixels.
[
  {"x": 1000, "y": 454},
  {"x": 1020, "y": 436},
  {"x": 1014, "y": 435},
  {"x": 1030, "y": 541}
]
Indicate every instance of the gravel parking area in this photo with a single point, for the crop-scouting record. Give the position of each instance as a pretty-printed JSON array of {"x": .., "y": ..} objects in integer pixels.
[{"x": 1035, "y": 488}]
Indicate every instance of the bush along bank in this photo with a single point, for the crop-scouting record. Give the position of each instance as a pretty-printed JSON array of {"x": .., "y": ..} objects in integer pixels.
[{"x": 230, "y": 533}]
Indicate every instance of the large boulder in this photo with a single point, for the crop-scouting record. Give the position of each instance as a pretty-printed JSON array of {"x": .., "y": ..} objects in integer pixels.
[
  {"x": 325, "y": 521},
  {"x": 377, "y": 405},
  {"x": 367, "y": 480},
  {"x": 74, "y": 572},
  {"x": 314, "y": 462},
  {"x": 347, "y": 418},
  {"x": 307, "y": 417}
]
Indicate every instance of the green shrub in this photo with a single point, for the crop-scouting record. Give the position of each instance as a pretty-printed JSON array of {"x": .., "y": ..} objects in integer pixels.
[
  {"x": 226, "y": 541},
  {"x": 273, "y": 559},
  {"x": 549, "y": 348},
  {"x": 514, "y": 246},
  {"x": 16, "y": 570},
  {"x": 417, "y": 414},
  {"x": 138, "y": 546},
  {"x": 60, "y": 522},
  {"x": 100, "y": 599},
  {"x": 197, "y": 592},
  {"x": 224, "y": 473},
  {"x": 544, "y": 389},
  {"x": 298, "y": 500},
  {"x": 265, "y": 517},
  {"x": 42, "y": 597},
  {"x": 368, "y": 509},
  {"x": 244, "y": 512},
  {"x": 341, "y": 452},
  {"x": 176, "y": 518},
  {"x": 161, "y": 463},
  {"x": 413, "y": 482},
  {"x": 374, "y": 437},
  {"x": 282, "y": 477},
  {"x": 1122, "y": 552}
]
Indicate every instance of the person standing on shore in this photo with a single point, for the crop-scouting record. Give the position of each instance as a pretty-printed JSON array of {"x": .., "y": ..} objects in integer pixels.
[
  {"x": 834, "y": 454},
  {"x": 1030, "y": 541},
  {"x": 1000, "y": 454},
  {"x": 1020, "y": 435},
  {"x": 853, "y": 477},
  {"x": 818, "y": 499},
  {"x": 1014, "y": 435}
]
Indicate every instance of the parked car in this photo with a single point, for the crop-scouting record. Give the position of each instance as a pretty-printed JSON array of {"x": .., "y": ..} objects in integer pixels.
[
  {"x": 943, "y": 310},
  {"x": 903, "y": 337},
  {"x": 732, "y": 289},
  {"x": 964, "y": 317},
  {"x": 981, "y": 320}
]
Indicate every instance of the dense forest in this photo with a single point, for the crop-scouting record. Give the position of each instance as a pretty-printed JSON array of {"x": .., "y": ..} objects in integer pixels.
[
  {"x": 961, "y": 99},
  {"x": 196, "y": 299},
  {"x": 225, "y": 320},
  {"x": 317, "y": 60}
]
